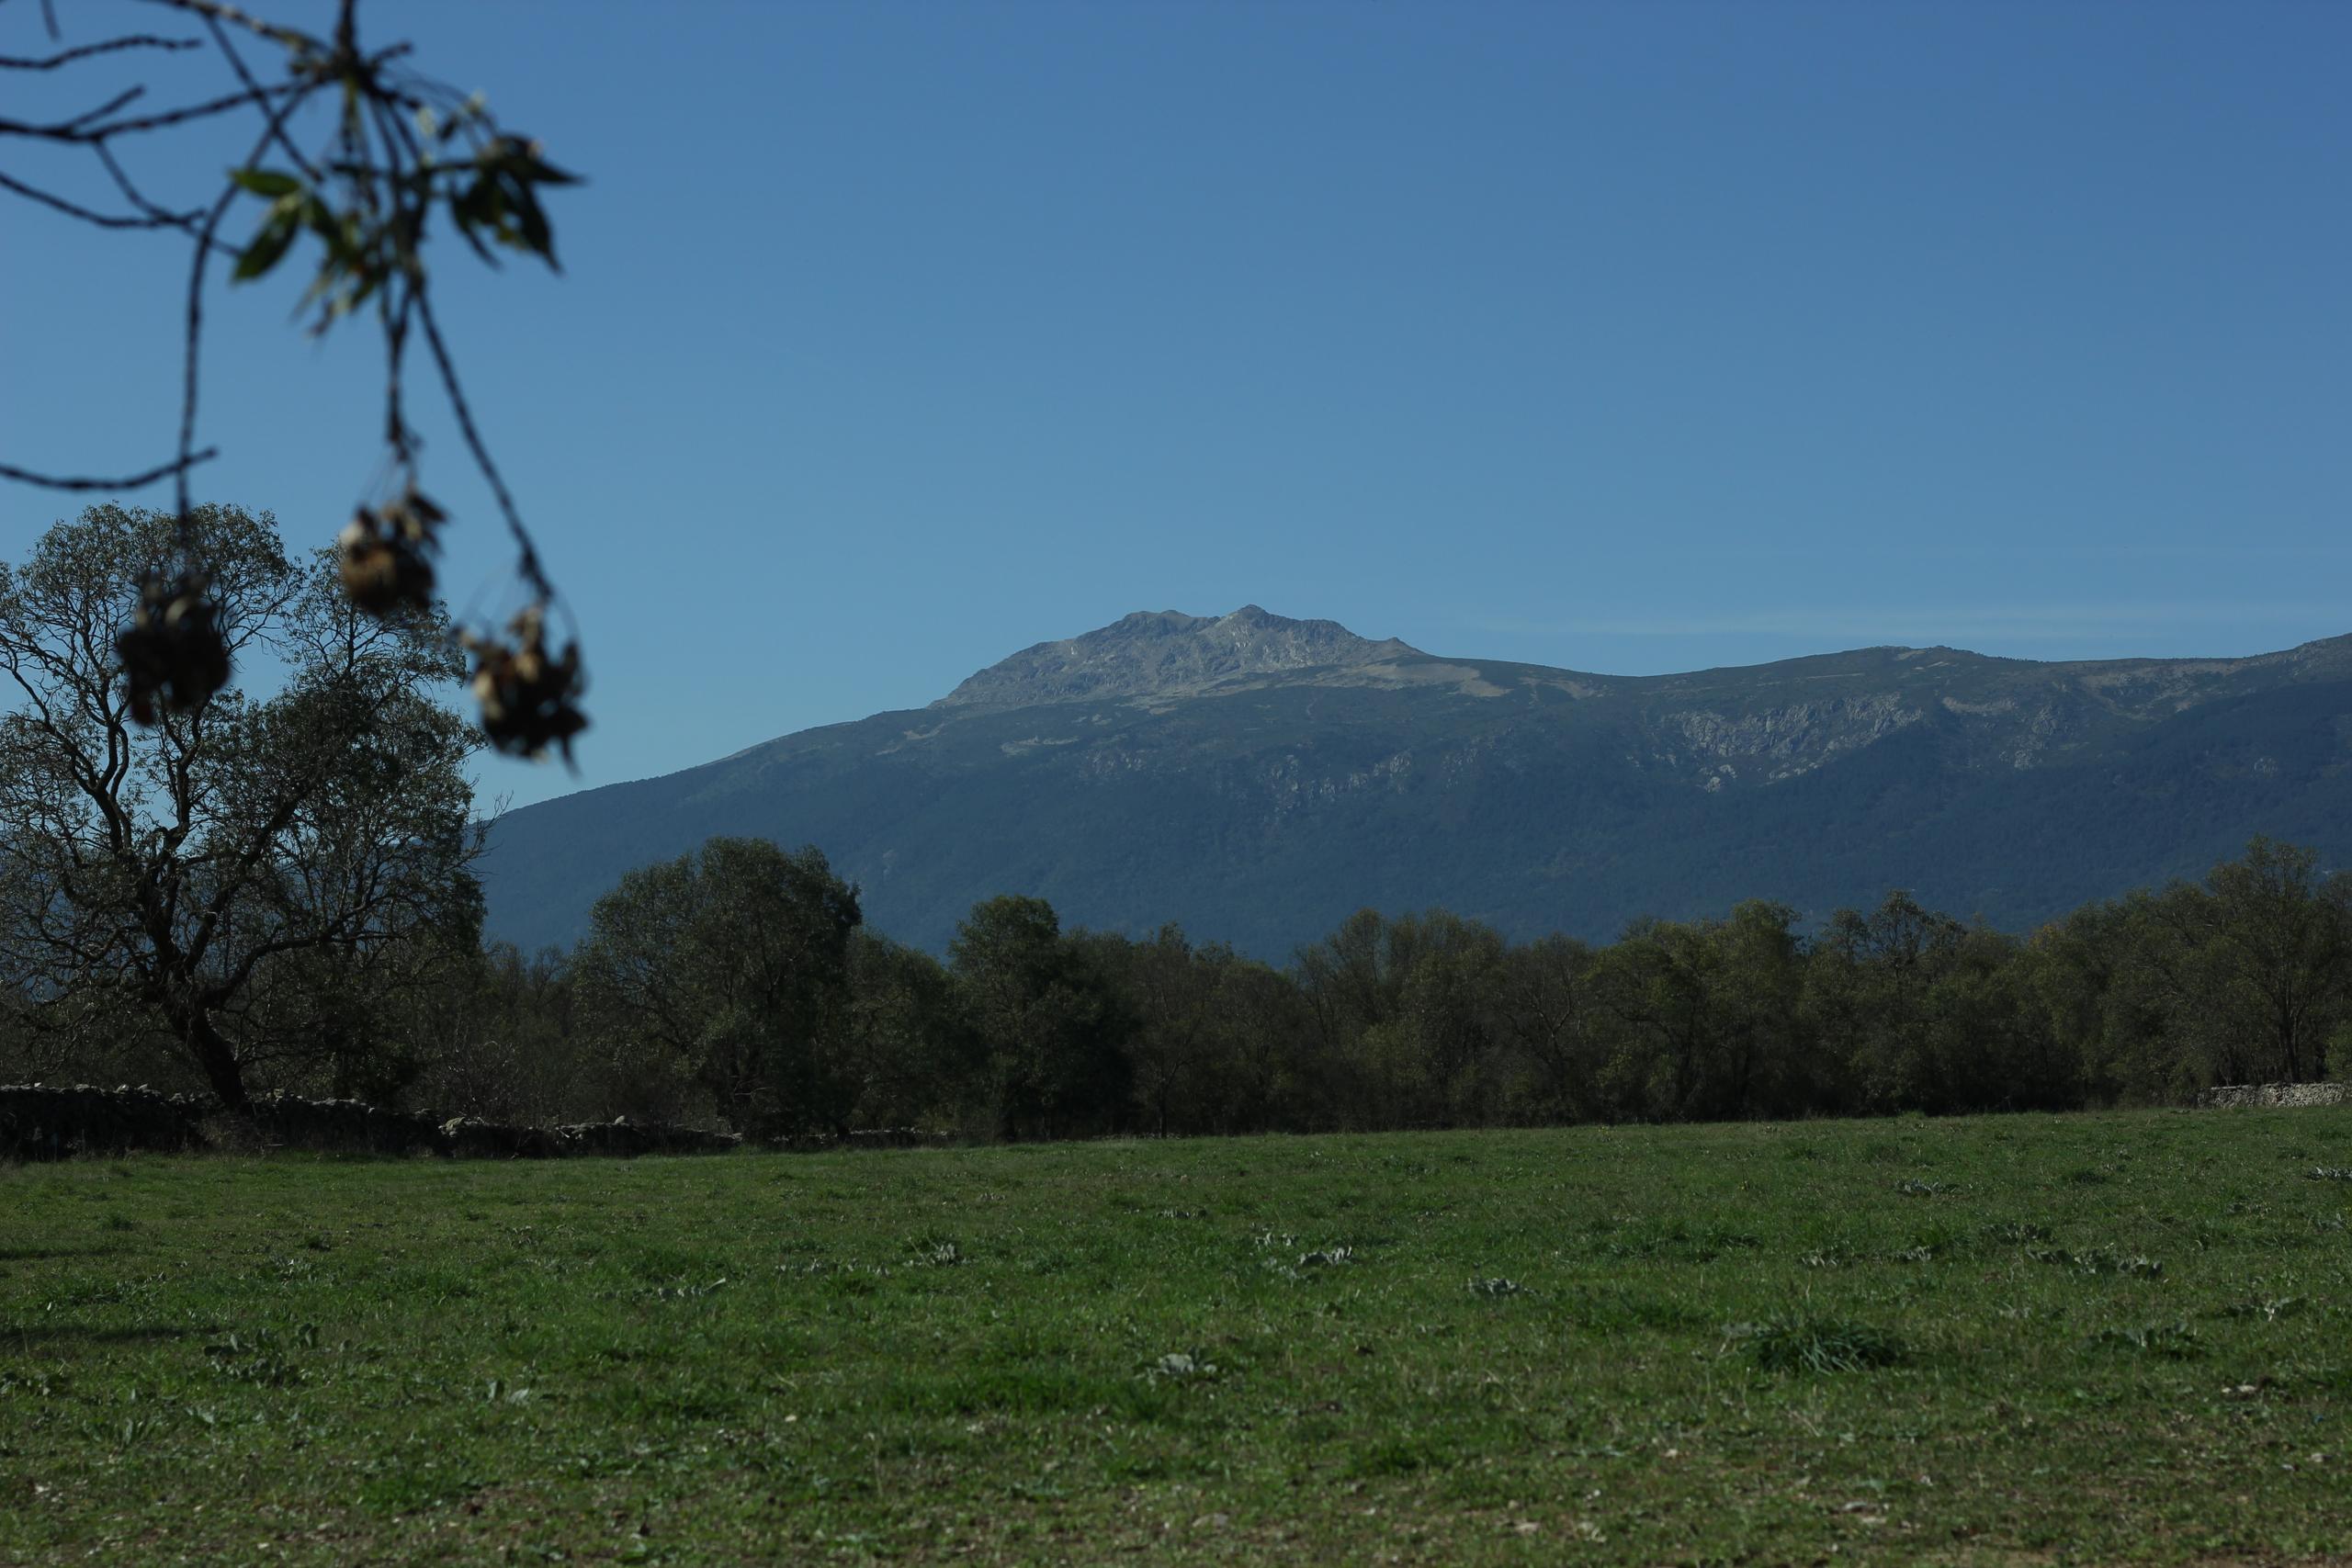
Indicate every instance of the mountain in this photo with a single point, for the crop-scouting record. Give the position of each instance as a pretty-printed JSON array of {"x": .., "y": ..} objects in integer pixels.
[
  {"x": 1257, "y": 778},
  {"x": 1164, "y": 657}
]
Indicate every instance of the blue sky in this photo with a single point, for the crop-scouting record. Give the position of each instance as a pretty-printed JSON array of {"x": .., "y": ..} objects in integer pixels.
[{"x": 1629, "y": 338}]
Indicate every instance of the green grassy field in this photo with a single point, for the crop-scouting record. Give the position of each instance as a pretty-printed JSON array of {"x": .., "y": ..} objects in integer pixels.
[{"x": 2014, "y": 1339}]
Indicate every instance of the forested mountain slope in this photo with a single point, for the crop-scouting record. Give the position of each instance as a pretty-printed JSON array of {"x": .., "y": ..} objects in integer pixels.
[{"x": 1257, "y": 778}]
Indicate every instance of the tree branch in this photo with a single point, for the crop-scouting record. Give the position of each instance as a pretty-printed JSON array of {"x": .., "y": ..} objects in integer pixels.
[
  {"x": 214, "y": 10},
  {"x": 196, "y": 308},
  {"x": 164, "y": 217},
  {"x": 528, "y": 565},
  {"x": 78, "y": 131},
  {"x": 88, "y": 215},
  {"x": 128, "y": 482},
  {"x": 67, "y": 57}
]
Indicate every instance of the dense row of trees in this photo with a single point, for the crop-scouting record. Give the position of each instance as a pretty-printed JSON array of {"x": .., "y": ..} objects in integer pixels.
[
  {"x": 737, "y": 986},
  {"x": 262, "y": 892}
]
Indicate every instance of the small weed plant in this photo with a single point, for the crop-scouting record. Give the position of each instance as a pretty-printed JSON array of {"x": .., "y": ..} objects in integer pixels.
[{"x": 1802, "y": 1343}]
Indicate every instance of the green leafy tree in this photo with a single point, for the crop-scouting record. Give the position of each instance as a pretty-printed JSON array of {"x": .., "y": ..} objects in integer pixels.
[
  {"x": 2278, "y": 935},
  {"x": 222, "y": 871},
  {"x": 915, "y": 1062},
  {"x": 1711, "y": 1014},
  {"x": 1442, "y": 1057},
  {"x": 728, "y": 971},
  {"x": 1867, "y": 991},
  {"x": 2248, "y": 977},
  {"x": 1210, "y": 1046},
  {"x": 1405, "y": 1017},
  {"x": 510, "y": 1047},
  {"x": 1258, "y": 1077},
  {"x": 1169, "y": 988},
  {"x": 1993, "y": 1044},
  {"x": 1352, "y": 983},
  {"x": 1556, "y": 1030},
  {"x": 1047, "y": 1016}
]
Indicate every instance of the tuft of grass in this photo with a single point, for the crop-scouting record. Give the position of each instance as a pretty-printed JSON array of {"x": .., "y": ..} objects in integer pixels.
[
  {"x": 1391, "y": 1457},
  {"x": 1789, "y": 1343},
  {"x": 2099, "y": 1260},
  {"x": 939, "y": 1254},
  {"x": 2168, "y": 1341},
  {"x": 2268, "y": 1309}
]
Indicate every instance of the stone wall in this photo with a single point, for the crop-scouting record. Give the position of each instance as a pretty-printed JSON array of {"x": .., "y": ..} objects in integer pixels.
[
  {"x": 2233, "y": 1096},
  {"x": 622, "y": 1136},
  {"x": 54, "y": 1122},
  {"x": 343, "y": 1126},
  {"x": 50, "y": 1122},
  {"x": 863, "y": 1138}
]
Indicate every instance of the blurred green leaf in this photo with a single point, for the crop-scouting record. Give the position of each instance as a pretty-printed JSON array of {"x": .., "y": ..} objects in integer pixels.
[
  {"x": 538, "y": 237},
  {"x": 267, "y": 248},
  {"x": 265, "y": 181}
]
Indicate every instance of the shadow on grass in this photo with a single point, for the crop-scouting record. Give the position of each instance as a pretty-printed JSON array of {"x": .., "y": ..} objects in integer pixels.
[
  {"x": 43, "y": 1254},
  {"x": 67, "y": 1334}
]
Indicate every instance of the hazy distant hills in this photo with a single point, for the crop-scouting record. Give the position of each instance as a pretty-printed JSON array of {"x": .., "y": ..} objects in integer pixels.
[{"x": 1257, "y": 778}]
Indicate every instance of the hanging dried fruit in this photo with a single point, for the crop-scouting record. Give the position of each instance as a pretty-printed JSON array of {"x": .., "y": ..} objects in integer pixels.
[
  {"x": 173, "y": 650},
  {"x": 528, "y": 697},
  {"x": 387, "y": 556}
]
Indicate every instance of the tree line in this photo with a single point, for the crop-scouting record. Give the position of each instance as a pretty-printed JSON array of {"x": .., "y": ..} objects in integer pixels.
[
  {"x": 278, "y": 892},
  {"x": 738, "y": 986},
  {"x": 738, "y": 982}
]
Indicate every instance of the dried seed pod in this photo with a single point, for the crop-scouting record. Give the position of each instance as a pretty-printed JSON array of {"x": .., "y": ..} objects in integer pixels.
[
  {"x": 173, "y": 652},
  {"x": 381, "y": 572},
  {"x": 416, "y": 514},
  {"x": 528, "y": 696},
  {"x": 386, "y": 558}
]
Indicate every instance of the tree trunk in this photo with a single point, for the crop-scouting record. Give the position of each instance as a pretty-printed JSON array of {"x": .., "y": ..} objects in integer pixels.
[{"x": 219, "y": 1061}]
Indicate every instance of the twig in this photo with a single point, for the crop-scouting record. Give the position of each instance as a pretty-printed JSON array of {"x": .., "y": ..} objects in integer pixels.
[
  {"x": 129, "y": 481},
  {"x": 196, "y": 311},
  {"x": 139, "y": 41},
  {"x": 237, "y": 64},
  {"x": 77, "y": 131},
  {"x": 399, "y": 299},
  {"x": 213, "y": 9},
  {"x": 103, "y": 219},
  {"x": 194, "y": 111},
  {"x": 132, "y": 193},
  {"x": 528, "y": 565},
  {"x": 128, "y": 95}
]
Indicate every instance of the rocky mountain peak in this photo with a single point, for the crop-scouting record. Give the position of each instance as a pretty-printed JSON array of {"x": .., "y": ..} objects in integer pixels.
[{"x": 1162, "y": 653}]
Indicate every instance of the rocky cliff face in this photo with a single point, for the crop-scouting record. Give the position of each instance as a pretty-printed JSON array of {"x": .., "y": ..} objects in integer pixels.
[
  {"x": 1164, "y": 654},
  {"x": 1257, "y": 778}
]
